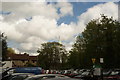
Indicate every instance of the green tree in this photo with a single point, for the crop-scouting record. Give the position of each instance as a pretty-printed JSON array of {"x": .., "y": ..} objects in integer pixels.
[
  {"x": 76, "y": 57},
  {"x": 52, "y": 55},
  {"x": 10, "y": 50},
  {"x": 100, "y": 36},
  {"x": 100, "y": 39}
]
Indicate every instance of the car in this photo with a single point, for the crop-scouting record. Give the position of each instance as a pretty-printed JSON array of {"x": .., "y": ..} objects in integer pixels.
[
  {"x": 33, "y": 70},
  {"x": 45, "y": 76},
  {"x": 86, "y": 75},
  {"x": 114, "y": 75},
  {"x": 107, "y": 72},
  {"x": 16, "y": 76},
  {"x": 60, "y": 78},
  {"x": 7, "y": 71}
]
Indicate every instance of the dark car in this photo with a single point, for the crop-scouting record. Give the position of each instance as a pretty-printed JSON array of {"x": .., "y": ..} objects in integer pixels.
[
  {"x": 114, "y": 75},
  {"x": 17, "y": 76},
  {"x": 85, "y": 75},
  {"x": 7, "y": 71},
  {"x": 107, "y": 72},
  {"x": 45, "y": 76}
]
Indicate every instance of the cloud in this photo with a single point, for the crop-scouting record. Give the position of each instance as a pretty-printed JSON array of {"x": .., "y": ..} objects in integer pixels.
[
  {"x": 1, "y": 18},
  {"x": 20, "y": 10},
  {"x": 65, "y": 8},
  {"x": 110, "y": 9},
  {"x": 41, "y": 29},
  {"x": 29, "y": 35},
  {"x": 23, "y": 10},
  {"x": 10, "y": 31}
]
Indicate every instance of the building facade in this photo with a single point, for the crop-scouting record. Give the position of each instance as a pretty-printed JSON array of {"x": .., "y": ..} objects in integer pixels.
[{"x": 22, "y": 60}]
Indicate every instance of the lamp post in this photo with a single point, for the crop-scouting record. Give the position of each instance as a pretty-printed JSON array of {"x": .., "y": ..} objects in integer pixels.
[{"x": 101, "y": 62}]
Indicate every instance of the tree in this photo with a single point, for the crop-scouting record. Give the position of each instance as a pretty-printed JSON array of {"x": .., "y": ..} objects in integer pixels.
[
  {"x": 4, "y": 46},
  {"x": 100, "y": 36},
  {"x": 76, "y": 57},
  {"x": 100, "y": 39},
  {"x": 52, "y": 55},
  {"x": 10, "y": 50}
]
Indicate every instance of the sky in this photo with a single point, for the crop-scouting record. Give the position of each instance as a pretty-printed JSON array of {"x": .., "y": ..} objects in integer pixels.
[{"x": 29, "y": 24}]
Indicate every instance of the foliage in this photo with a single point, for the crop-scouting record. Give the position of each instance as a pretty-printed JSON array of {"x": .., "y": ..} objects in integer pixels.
[
  {"x": 28, "y": 64},
  {"x": 101, "y": 38},
  {"x": 10, "y": 50},
  {"x": 52, "y": 55}
]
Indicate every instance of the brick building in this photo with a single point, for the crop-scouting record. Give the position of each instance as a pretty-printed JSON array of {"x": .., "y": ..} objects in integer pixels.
[{"x": 22, "y": 60}]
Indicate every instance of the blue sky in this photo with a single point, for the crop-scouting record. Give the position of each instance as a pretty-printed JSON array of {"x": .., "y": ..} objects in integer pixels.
[
  {"x": 78, "y": 9},
  {"x": 28, "y": 24}
]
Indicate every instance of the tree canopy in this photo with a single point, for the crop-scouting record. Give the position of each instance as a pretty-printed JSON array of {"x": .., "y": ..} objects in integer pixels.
[
  {"x": 52, "y": 55},
  {"x": 10, "y": 50},
  {"x": 100, "y": 39}
]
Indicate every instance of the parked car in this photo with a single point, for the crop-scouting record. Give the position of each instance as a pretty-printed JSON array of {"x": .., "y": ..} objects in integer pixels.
[
  {"x": 86, "y": 75},
  {"x": 33, "y": 70},
  {"x": 114, "y": 75},
  {"x": 60, "y": 78},
  {"x": 45, "y": 76},
  {"x": 17, "y": 76},
  {"x": 7, "y": 71},
  {"x": 107, "y": 72}
]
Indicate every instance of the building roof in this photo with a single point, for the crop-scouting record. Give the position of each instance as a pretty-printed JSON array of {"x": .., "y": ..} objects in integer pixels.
[{"x": 21, "y": 57}]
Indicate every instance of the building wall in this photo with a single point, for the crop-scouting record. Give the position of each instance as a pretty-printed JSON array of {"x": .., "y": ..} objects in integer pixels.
[
  {"x": 8, "y": 64},
  {"x": 19, "y": 63}
]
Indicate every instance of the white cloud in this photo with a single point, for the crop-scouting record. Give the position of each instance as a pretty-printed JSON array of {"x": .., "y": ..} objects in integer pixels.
[
  {"x": 41, "y": 29},
  {"x": 43, "y": 26},
  {"x": 22, "y": 10},
  {"x": 109, "y": 9},
  {"x": 10, "y": 31},
  {"x": 65, "y": 8},
  {"x": 1, "y": 17}
]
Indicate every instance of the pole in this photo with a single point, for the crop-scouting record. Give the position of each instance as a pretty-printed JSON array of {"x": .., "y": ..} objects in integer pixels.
[
  {"x": 101, "y": 62},
  {"x": 101, "y": 72}
]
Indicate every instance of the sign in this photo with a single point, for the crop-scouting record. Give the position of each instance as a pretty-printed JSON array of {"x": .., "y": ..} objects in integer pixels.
[
  {"x": 101, "y": 60},
  {"x": 93, "y": 60}
]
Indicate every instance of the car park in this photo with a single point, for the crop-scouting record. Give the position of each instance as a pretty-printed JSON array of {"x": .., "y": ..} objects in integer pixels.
[
  {"x": 45, "y": 76},
  {"x": 86, "y": 75},
  {"x": 114, "y": 75},
  {"x": 16, "y": 76},
  {"x": 60, "y": 78},
  {"x": 107, "y": 72}
]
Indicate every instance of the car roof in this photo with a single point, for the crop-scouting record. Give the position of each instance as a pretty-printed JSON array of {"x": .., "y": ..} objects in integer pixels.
[
  {"x": 45, "y": 75},
  {"x": 22, "y": 74},
  {"x": 60, "y": 78}
]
